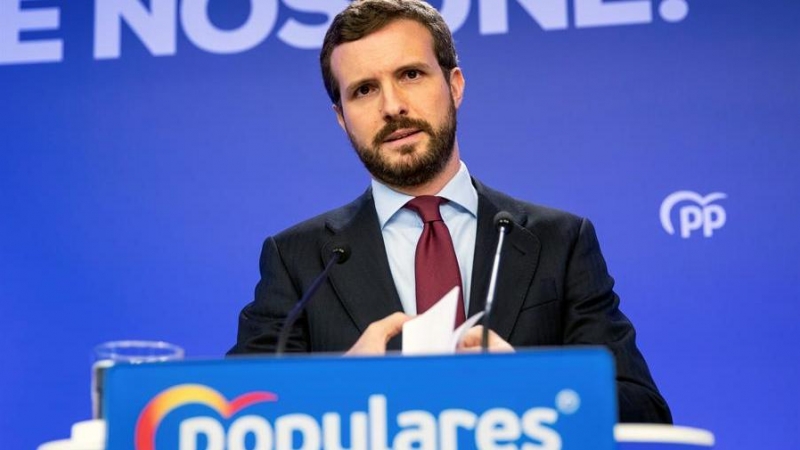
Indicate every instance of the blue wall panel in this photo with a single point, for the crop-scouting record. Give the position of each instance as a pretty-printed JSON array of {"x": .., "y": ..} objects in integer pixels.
[{"x": 135, "y": 191}]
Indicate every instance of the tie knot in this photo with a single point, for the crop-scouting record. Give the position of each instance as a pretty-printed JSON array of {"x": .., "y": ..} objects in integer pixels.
[{"x": 427, "y": 206}]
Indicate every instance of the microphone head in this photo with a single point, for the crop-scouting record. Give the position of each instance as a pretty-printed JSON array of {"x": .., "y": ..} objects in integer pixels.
[
  {"x": 504, "y": 221},
  {"x": 343, "y": 252}
]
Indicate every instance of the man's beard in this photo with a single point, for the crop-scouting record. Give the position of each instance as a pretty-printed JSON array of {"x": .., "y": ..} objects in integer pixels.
[{"x": 423, "y": 167}]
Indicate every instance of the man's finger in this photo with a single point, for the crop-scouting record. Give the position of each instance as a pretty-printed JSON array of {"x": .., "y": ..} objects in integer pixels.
[
  {"x": 373, "y": 340},
  {"x": 390, "y": 326},
  {"x": 472, "y": 341},
  {"x": 472, "y": 338}
]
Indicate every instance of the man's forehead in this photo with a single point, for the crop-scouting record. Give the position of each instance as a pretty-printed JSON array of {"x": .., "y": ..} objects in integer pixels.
[{"x": 397, "y": 44}]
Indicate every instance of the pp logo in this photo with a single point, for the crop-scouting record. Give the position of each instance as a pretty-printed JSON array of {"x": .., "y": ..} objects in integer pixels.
[{"x": 699, "y": 213}]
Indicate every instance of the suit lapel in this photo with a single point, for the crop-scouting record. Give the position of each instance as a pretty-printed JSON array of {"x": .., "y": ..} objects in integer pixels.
[
  {"x": 485, "y": 241},
  {"x": 364, "y": 283},
  {"x": 519, "y": 260}
]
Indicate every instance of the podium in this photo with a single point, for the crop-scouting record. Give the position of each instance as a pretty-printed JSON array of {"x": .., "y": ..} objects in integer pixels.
[{"x": 533, "y": 400}]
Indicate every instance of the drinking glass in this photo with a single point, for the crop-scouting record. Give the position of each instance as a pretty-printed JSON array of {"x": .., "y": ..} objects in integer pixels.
[{"x": 126, "y": 352}]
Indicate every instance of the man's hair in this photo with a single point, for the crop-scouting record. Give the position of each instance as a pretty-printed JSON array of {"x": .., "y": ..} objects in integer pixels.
[{"x": 363, "y": 17}]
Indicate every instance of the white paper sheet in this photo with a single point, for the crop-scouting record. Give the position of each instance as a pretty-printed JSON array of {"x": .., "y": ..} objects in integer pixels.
[{"x": 432, "y": 332}]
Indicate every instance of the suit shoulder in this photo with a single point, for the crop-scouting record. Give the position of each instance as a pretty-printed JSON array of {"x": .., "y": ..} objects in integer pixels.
[
  {"x": 323, "y": 224},
  {"x": 532, "y": 215}
]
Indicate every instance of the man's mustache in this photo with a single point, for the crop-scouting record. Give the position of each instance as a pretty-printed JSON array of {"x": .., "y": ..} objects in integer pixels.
[{"x": 397, "y": 124}]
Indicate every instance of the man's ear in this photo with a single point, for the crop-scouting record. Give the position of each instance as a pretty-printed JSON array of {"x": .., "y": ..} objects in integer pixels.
[
  {"x": 457, "y": 85},
  {"x": 339, "y": 115}
]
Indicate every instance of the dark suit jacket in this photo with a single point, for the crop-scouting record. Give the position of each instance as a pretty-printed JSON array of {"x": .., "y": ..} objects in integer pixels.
[{"x": 553, "y": 289}]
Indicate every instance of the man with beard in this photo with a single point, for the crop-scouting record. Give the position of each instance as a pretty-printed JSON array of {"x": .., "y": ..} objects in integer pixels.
[{"x": 390, "y": 68}]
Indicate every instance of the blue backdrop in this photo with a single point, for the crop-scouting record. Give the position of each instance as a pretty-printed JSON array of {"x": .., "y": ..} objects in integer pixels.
[{"x": 147, "y": 148}]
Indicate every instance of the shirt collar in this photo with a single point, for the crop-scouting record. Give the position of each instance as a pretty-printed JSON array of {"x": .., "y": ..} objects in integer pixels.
[{"x": 459, "y": 190}]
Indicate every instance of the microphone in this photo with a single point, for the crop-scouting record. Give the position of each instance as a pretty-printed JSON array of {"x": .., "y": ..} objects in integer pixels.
[
  {"x": 504, "y": 223},
  {"x": 339, "y": 254}
]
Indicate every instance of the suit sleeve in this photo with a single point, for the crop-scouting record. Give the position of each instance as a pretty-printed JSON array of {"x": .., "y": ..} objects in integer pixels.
[
  {"x": 260, "y": 322},
  {"x": 592, "y": 317}
]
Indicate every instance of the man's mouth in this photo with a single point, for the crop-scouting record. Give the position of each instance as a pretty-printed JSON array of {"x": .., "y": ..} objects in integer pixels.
[{"x": 401, "y": 134}]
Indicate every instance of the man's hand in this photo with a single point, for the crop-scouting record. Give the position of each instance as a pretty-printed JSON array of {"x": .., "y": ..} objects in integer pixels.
[
  {"x": 373, "y": 340},
  {"x": 472, "y": 342}
]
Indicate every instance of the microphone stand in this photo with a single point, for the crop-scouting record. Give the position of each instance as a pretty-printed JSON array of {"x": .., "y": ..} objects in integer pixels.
[
  {"x": 339, "y": 255},
  {"x": 503, "y": 222}
]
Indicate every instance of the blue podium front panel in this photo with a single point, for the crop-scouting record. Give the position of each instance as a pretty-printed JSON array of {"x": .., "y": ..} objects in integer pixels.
[{"x": 545, "y": 400}]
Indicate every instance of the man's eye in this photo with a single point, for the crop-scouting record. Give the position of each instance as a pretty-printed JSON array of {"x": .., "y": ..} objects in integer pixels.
[
  {"x": 412, "y": 74},
  {"x": 363, "y": 90}
]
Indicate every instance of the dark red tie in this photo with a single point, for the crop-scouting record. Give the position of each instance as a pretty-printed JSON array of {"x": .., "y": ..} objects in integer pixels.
[{"x": 435, "y": 264}]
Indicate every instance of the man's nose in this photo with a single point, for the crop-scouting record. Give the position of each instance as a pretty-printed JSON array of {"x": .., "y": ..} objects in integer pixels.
[{"x": 394, "y": 103}]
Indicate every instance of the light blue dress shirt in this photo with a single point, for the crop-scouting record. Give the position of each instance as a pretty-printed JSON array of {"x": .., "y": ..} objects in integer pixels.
[{"x": 401, "y": 229}]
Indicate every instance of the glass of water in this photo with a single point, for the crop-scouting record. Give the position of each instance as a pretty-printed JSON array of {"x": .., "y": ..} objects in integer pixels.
[{"x": 126, "y": 352}]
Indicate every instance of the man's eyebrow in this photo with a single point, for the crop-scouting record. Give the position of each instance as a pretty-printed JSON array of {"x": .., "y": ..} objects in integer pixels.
[{"x": 413, "y": 66}]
